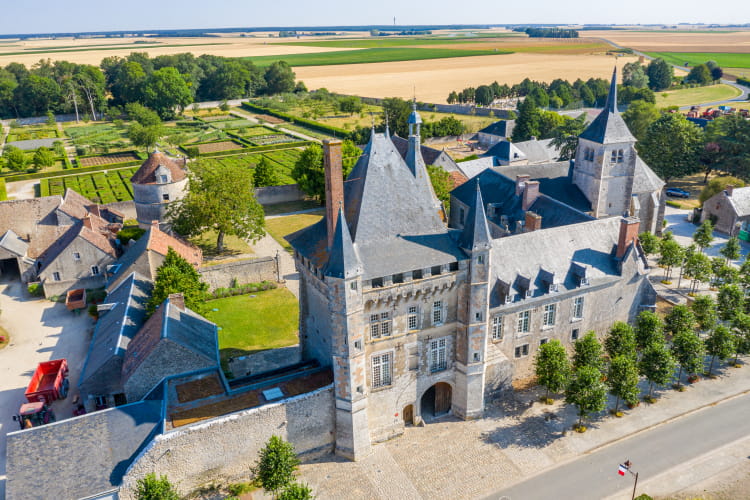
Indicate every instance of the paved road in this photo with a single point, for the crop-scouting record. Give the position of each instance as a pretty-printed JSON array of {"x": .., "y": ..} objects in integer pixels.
[{"x": 594, "y": 475}]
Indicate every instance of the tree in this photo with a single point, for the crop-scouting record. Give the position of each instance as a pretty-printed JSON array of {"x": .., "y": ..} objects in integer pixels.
[
  {"x": 699, "y": 74},
  {"x": 730, "y": 301},
  {"x": 704, "y": 235},
  {"x": 671, "y": 146},
  {"x": 220, "y": 199},
  {"x": 145, "y": 137},
  {"x": 719, "y": 344},
  {"x": 731, "y": 250},
  {"x": 296, "y": 491},
  {"x": 649, "y": 242},
  {"x": 350, "y": 104},
  {"x": 687, "y": 349},
  {"x": 698, "y": 268},
  {"x": 276, "y": 465},
  {"x": 704, "y": 309},
  {"x": 166, "y": 90},
  {"x": 634, "y": 75},
  {"x": 565, "y": 137},
  {"x": 264, "y": 174},
  {"x": 657, "y": 365},
  {"x": 43, "y": 157},
  {"x": 649, "y": 329},
  {"x": 528, "y": 121},
  {"x": 140, "y": 113},
  {"x": 151, "y": 488},
  {"x": 552, "y": 367},
  {"x": 717, "y": 185},
  {"x": 279, "y": 78},
  {"x": 586, "y": 391},
  {"x": 715, "y": 69},
  {"x": 723, "y": 272},
  {"x": 587, "y": 351},
  {"x": 396, "y": 113},
  {"x": 441, "y": 184},
  {"x": 176, "y": 275},
  {"x": 15, "y": 159},
  {"x": 729, "y": 140},
  {"x": 660, "y": 74},
  {"x": 679, "y": 319},
  {"x": 620, "y": 341},
  {"x": 309, "y": 174},
  {"x": 741, "y": 331},
  {"x": 483, "y": 95},
  {"x": 639, "y": 116},
  {"x": 672, "y": 255},
  {"x": 622, "y": 379}
]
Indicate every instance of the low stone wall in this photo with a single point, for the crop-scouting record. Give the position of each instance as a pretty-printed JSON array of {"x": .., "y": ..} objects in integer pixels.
[
  {"x": 278, "y": 194},
  {"x": 223, "y": 449},
  {"x": 244, "y": 271}
]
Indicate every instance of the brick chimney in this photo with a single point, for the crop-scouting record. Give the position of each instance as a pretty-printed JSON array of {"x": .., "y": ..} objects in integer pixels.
[
  {"x": 520, "y": 183},
  {"x": 628, "y": 234},
  {"x": 334, "y": 184},
  {"x": 530, "y": 194},
  {"x": 155, "y": 225},
  {"x": 729, "y": 190},
  {"x": 177, "y": 300},
  {"x": 533, "y": 221},
  {"x": 86, "y": 221}
]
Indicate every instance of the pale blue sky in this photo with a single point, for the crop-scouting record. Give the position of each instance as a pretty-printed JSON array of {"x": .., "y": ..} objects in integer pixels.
[{"x": 35, "y": 16}]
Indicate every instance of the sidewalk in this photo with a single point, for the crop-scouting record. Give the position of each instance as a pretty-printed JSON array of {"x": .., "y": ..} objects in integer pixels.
[{"x": 517, "y": 439}]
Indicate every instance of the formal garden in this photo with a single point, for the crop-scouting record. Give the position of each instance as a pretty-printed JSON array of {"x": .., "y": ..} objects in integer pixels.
[{"x": 100, "y": 187}]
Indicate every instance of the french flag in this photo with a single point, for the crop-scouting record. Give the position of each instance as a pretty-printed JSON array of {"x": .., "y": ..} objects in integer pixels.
[{"x": 622, "y": 470}]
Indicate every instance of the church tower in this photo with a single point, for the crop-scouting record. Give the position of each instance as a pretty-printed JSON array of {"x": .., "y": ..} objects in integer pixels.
[
  {"x": 606, "y": 160},
  {"x": 471, "y": 348}
]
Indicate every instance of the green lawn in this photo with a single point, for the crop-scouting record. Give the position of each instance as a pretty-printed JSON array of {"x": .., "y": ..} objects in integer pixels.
[
  {"x": 372, "y": 55},
  {"x": 233, "y": 245},
  {"x": 697, "y": 95},
  {"x": 251, "y": 324},
  {"x": 723, "y": 59},
  {"x": 278, "y": 227}
]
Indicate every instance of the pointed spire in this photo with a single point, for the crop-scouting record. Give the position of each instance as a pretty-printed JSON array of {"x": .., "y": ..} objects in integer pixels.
[
  {"x": 343, "y": 262},
  {"x": 387, "y": 127},
  {"x": 612, "y": 96},
  {"x": 476, "y": 233}
]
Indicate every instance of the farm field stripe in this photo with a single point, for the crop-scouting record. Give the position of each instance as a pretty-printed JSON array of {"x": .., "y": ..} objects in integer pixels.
[
  {"x": 44, "y": 51},
  {"x": 723, "y": 59}
]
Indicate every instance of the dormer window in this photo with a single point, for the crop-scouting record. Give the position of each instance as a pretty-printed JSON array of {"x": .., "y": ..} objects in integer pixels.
[{"x": 163, "y": 179}]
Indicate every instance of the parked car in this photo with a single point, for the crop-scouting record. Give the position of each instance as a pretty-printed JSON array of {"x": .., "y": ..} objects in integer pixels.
[{"x": 678, "y": 193}]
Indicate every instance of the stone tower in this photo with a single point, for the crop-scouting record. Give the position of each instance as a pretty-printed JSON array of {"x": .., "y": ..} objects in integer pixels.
[
  {"x": 158, "y": 182},
  {"x": 471, "y": 343},
  {"x": 606, "y": 160}
]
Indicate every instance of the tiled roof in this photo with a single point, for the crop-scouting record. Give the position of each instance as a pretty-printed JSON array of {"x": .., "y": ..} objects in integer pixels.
[
  {"x": 160, "y": 242},
  {"x": 75, "y": 205},
  {"x": 24, "y": 216},
  {"x": 645, "y": 180},
  {"x": 12, "y": 243},
  {"x": 457, "y": 178},
  {"x": 146, "y": 173},
  {"x": 98, "y": 235}
]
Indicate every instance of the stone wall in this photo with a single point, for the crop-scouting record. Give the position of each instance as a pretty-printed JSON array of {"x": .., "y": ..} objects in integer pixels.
[
  {"x": 223, "y": 449},
  {"x": 244, "y": 271},
  {"x": 126, "y": 208},
  {"x": 278, "y": 194}
]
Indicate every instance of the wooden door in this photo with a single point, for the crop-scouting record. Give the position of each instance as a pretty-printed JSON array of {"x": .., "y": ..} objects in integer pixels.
[
  {"x": 442, "y": 398},
  {"x": 408, "y": 414}
]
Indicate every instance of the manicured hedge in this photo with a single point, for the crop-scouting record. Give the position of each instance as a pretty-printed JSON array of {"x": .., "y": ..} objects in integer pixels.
[
  {"x": 743, "y": 81},
  {"x": 3, "y": 192},
  {"x": 75, "y": 171},
  {"x": 320, "y": 127}
]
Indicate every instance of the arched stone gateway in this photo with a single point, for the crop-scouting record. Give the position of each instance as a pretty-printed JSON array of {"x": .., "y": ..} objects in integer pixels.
[
  {"x": 408, "y": 414},
  {"x": 436, "y": 400}
]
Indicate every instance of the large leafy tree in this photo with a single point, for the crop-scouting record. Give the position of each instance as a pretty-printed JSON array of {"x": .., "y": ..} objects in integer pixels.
[
  {"x": 620, "y": 341},
  {"x": 309, "y": 173},
  {"x": 649, "y": 242},
  {"x": 649, "y": 329},
  {"x": 176, "y": 275},
  {"x": 657, "y": 365},
  {"x": 731, "y": 250},
  {"x": 276, "y": 465},
  {"x": 279, "y": 78},
  {"x": 717, "y": 185},
  {"x": 699, "y": 74},
  {"x": 441, "y": 184},
  {"x": 166, "y": 92},
  {"x": 634, "y": 75},
  {"x": 719, "y": 344},
  {"x": 688, "y": 349},
  {"x": 396, "y": 113},
  {"x": 528, "y": 122},
  {"x": 14, "y": 158},
  {"x": 672, "y": 146},
  {"x": 587, "y": 351},
  {"x": 660, "y": 74},
  {"x": 672, "y": 255},
  {"x": 704, "y": 309},
  {"x": 264, "y": 174},
  {"x": 729, "y": 137},
  {"x": 220, "y": 199},
  {"x": 639, "y": 116},
  {"x": 622, "y": 379},
  {"x": 565, "y": 137},
  {"x": 586, "y": 391},
  {"x": 679, "y": 319},
  {"x": 730, "y": 301},
  {"x": 145, "y": 137},
  {"x": 741, "y": 332},
  {"x": 698, "y": 268},
  {"x": 552, "y": 367},
  {"x": 43, "y": 157},
  {"x": 704, "y": 235}
]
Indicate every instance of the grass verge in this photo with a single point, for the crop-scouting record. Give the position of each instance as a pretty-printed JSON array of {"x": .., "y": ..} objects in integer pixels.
[
  {"x": 233, "y": 245},
  {"x": 697, "y": 95},
  {"x": 723, "y": 59},
  {"x": 278, "y": 227}
]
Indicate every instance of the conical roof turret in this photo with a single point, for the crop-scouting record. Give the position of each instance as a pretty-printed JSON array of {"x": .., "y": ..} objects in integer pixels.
[
  {"x": 609, "y": 127},
  {"x": 476, "y": 234},
  {"x": 343, "y": 261}
]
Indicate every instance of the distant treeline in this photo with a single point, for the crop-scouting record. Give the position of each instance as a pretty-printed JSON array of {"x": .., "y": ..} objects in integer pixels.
[
  {"x": 377, "y": 32},
  {"x": 548, "y": 32},
  {"x": 164, "y": 83}
]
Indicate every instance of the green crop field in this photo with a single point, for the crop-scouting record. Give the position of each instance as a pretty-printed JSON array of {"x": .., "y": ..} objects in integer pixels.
[
  {"x": 99, "y": 187},
  {"x": 100, "y": 137},
  {"x": 723, "y": 59},
  {"x": 697, "y": 95},
  {"x": 368, "y": 43},
  {"x": 371, "y": 55},
  {"x": 94, "y": 48}
]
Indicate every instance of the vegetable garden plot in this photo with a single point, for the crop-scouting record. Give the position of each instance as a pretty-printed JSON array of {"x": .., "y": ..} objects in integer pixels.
[
  {"x": 99, "y": 187},
  {"x": 93, "y": 161},
  {"x": 214, "y": 147}
]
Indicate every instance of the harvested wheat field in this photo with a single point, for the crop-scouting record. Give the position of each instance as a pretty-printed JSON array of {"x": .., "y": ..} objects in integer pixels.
[
  {"x": 435, "y": 79},
  {"x": 665, "y": 41},
  {"x": 92, "y": 51}
]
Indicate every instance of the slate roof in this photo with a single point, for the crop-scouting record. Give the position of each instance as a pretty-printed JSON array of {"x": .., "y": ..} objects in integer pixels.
[
  {"x": 82, "y": 456},
  {"x": 538, "y": 151},
  {"x": 343, "y": 261},
  {"x": 499, "y": 128},
  {"x": 472, "y": 168},
  {"x": 500, "y": 192},
  {"x": 146, "y": 173},
  {"x": 645, "y": 180},
  {"x": 430, "y": 155},
  {"x": 740, "y": 200},
  {"x": 609, "y": 127},
  {"x": 506, "y": 151},
  {"x": 476, "y": 234},
  {"x": 114, "y": 331},
  {"x": 12, "y": 243},
  {"x": 558, "y": 251},
  {"x": 394, "y": 218},
  {"x": 555, "y": 180},
  {"x": 181, "y": 326}
]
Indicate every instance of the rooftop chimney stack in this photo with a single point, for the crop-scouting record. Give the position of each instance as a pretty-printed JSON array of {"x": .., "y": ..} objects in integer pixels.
[
  {"x": 177, "y": 300},
  {"x": 334, "y": 184},
  {"x": 729, "y": 189},
  {"x": 520, "y": 183},
  {"x": 533, "y": 222},
  {"x": 530, "y": 194},
  {"x": 86, "y": 221},
  {"x": 628, "y": 234}
]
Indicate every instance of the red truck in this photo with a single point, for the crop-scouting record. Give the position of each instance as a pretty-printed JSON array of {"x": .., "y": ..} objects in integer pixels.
[
  {"x": 33, "y": 415},
  {"x": 49, "y": 383}
]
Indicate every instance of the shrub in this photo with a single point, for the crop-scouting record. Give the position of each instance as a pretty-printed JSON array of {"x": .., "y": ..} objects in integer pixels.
[
  {"x": 673, "y": 204},
  {"x": 3, "y": 191},
  {"x": 276, "y": 465},
  {"x": 151, "y": 488},
  {"x": 296, "y": 491},
  {"x": 93, "y": 311},
  {"x": 237, "y": 489},
  {"x": 35, "y": 289},
  {"x": 130, "y": 233}
]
